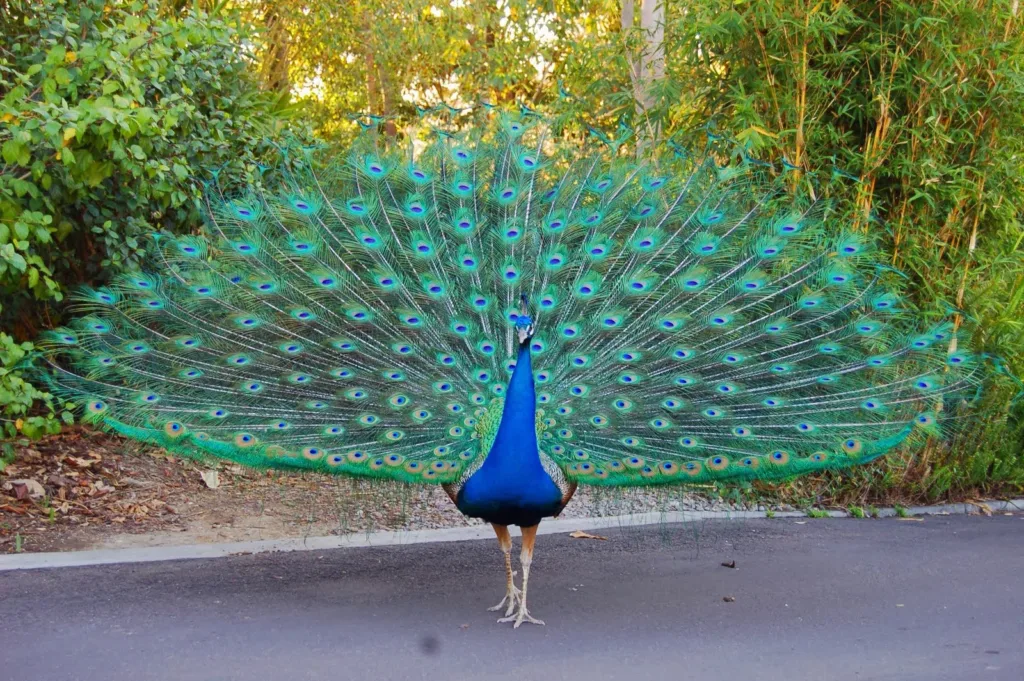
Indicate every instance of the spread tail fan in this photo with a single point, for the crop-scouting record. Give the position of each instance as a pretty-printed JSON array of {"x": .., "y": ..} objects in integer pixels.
[{"x": 692, "y": 320}]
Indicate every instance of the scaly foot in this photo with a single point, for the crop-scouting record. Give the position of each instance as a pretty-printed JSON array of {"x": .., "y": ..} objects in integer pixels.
[
  {"x": 512, "y": 597},
  {"x": 522, "y": 616}
]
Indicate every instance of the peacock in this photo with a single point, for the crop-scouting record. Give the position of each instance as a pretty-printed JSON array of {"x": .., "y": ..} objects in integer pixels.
[{"x": 509, "y": 312}]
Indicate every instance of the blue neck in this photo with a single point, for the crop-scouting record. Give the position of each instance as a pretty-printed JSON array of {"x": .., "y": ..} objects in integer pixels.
[
  {"x": 515, "y": 445},
  {"x": 512, "y": 487}
]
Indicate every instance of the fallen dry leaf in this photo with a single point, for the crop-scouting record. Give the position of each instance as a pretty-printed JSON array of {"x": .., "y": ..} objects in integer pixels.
[
  {"x": 580, "y": 534},
  {"x": 730, "y": 564},
  {"x": 27, "y": 488},
  {"x": 729, "y": 599},
  {"x": 211, "y": 478},
  {"x": 58, "y": 481}
]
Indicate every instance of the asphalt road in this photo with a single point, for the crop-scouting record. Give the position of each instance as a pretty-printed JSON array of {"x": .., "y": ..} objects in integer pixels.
[{"x": 827, "y": 600}]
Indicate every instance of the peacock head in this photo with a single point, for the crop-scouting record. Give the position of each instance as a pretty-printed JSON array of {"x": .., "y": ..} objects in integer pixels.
[{"x": 525, "y": 328}]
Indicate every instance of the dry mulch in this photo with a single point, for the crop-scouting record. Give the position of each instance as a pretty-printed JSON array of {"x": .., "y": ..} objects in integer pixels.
[
  {"x": 85, "y": 489},
  {"x": 82, "y": 479}
]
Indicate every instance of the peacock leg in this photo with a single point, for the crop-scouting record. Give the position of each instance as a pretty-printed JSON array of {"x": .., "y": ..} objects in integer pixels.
[
  {"x": 526, "y": 557},
  {"x": 511, "y": 592}
]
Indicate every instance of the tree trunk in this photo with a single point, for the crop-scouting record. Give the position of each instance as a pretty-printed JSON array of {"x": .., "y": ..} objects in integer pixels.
[
  {"x": 651, "y": 69},
  {"x": 388, "y": 98},
  {"x": 275, "y": 62},
  {"x": 627, "y": 21},
  {"x": 652, "y": 60}
]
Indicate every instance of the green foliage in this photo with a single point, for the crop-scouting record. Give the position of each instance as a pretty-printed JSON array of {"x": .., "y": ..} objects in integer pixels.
[
  {"x": 111, "y": 115},
  {"x": 388, "y": 57},
  {"x": 929, "y": 126},
  {"x": 855, "y": 512},
  {"x": 17, "y": 397},
  {"x": 817, "y": 513}
]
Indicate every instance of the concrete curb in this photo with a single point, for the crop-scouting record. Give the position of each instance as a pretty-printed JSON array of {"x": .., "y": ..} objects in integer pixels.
[{"x": 31, "y": 561}]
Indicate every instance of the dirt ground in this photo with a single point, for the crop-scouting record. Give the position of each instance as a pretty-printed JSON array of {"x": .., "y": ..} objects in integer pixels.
[{"x": 83, "y": 490}]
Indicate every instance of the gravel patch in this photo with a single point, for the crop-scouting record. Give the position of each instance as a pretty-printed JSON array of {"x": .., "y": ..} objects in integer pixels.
[{"x": 385, "y": 507}]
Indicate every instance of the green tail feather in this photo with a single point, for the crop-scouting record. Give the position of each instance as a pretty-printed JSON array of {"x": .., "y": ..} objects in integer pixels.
[{"x": 694, "y": 323}]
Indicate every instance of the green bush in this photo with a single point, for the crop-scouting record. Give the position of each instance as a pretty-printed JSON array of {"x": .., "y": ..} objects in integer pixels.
[
  {"x": 112, "y": 115},
  {"x": 18, "y": 397}
]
